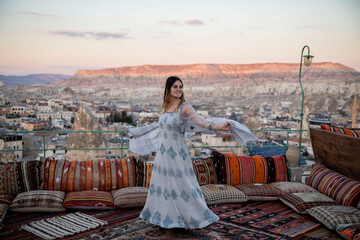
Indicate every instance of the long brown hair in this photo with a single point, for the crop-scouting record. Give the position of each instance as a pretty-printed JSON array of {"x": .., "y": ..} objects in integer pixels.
[{"x": 167, "y": 93}]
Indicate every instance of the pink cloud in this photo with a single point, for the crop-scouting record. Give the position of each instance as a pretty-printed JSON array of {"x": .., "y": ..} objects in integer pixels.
[
  {"x": 39, "y": 14},
  {"x": 189, "y": 22},
  {"x": 194, "y": 22},
  {"x": 96, "y": 35}
]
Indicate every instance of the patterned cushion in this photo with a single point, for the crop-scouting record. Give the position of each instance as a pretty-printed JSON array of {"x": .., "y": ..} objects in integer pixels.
[
  {"x": 292, "y": 187},
  {"x": 215, "y": 193},
  {"x": 89, "y": 200},
  {"x": 38, "y": 201},
  {"x": 54, "y": 174},
  {"x": 31, "y": 174},
  {"x": 5, "y": 201},
  {"x": 344, "y": 190},
  {"x": 234, "y": 170},
  {"x": 17, "y": 177},
  {"x": 299, "y": 202},
  {"x": 205, "y": 171},
  {"x": 331, "y": 216},
  {"x": 130, "y": 197},
  {"x": 349, "y": 231},
  {"x": 102, "y": 175},
  {"x": 355, "y": 132},
  {"x": 143, "y": 173},
  {"x": 259, "y": 192}
]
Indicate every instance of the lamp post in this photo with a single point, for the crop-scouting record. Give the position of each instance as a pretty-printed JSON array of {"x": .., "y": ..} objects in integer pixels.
[{"x": 307, "y": 61}]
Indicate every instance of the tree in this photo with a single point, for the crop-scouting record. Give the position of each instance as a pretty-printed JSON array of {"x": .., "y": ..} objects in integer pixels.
[{"x": 233, "y": 116}]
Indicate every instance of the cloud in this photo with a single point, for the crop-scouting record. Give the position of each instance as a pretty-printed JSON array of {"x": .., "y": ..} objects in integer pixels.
[
  {"x": 172, "y": 22},
  {"x": 194, "y": 22},
  {"x": 315, "y": 27},
  {"x": 96, "y": 35},
  {"x": 39, "y": 14},
  {"x": 188, "y": 22}
]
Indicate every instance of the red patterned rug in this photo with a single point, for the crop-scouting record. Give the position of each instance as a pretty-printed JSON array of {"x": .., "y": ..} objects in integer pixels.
[
  {"x": 237, "y": 221},
  {"x": 141, "y": 229},
  {"x": 274, "y": 217}
]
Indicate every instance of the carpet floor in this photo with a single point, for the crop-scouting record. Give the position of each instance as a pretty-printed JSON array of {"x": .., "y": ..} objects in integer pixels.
[{"x": 250, "y": 220}]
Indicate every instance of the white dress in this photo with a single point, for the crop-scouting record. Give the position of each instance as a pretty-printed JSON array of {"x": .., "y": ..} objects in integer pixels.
[{"x": 175, "y": 199}]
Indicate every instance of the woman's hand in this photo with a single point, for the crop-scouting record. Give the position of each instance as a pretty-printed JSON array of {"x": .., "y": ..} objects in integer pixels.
[{"x": 223, "y": 126}]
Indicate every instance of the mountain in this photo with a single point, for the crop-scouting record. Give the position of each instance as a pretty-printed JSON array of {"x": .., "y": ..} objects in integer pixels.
[
  {"x": 209, "y": 75},
  {"x": 31, "y": 79}
]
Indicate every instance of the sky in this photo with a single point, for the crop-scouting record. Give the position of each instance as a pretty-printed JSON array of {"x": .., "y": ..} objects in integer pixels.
[{"x": 53, "y": 36}]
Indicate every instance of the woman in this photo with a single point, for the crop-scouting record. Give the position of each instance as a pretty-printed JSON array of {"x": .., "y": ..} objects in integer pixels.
[{"x": 175, "y": 199}]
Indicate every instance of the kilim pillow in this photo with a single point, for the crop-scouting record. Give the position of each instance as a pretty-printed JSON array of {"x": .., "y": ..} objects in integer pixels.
[
  {"x": 38, "y": 201},
  {"x": 260, "y": 192},
  {"x": 300, "y": 202},
  {"x": 17, "y": 177},
  {"x": 130, "y": 197},
  {"x": 205, "y": 171},
  {"x": 54, "y": 174},
  {"x": 216, "y": 193},
  {"x": 344, "y": 190},
  {"x": 349, "y": 231},
  {"x": 355, "y": 132},
  {"x": 292, "y": 187},
  {"x": 331, "y": 216},
  {"x": 11, "y": 182},
  {"x": 234, "y": 170},
  {"x": 89, "y": 200},
  {"x": 5, "y": 201},
  {"x": 101, "y": 175},
  {"x": 143, "y": 173},
  {"x": 31, "y": 174}
]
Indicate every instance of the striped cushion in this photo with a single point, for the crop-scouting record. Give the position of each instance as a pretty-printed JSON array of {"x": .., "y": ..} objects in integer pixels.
[
  {"x": 331, "y": 216},
  {"x": 143, "y": 173},
  {"x": 215, "y": 193},
  {"x": 292, "y": 187},
  {"x": 260, "y": 192},
  {"x": 5, "y": 201},
  {"x": 54, "y": 174},
  {"x": 349, "y": 231},
  {"x": 38, "y": 201},
  {"x": 101, "y": 175},
  {"x": 205, "y": 171},
  {"x": 300, "y": 202},
  {"x": 234, "y": 170},
  {"x": 355, "y": 132},
  {"x": 344, "y": 190},
  {"x": 17, "y": 177},
  {"x": 130, "y": 197},
  {"x": 89, "y": 200}
]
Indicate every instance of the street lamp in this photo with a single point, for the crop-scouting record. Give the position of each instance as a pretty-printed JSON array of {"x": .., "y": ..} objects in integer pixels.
[{"x": 307, "y": 61}]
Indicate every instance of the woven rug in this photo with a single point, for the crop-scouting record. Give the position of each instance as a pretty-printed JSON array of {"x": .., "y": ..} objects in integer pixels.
[
  {"x": 141, "y": 229},
  {"x": 63, "y": 226},
  {"x": 273, "y": 217},
  {"x": 13, "y": 221}
]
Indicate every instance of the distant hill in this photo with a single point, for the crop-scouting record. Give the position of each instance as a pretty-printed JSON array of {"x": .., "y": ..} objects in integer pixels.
[
  {"x": 209, "y": 75},
  {"x": 31, "y": 79}
]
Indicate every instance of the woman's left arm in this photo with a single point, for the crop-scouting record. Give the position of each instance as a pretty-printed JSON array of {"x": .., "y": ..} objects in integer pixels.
[{"x": 188, "y": 113}]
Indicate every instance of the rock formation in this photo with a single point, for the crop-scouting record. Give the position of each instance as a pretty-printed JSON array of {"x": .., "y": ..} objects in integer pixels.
[
  {"x": 5, "y": 156},
  {"x": 234, "y": 75},
  {"x": 85, "y": 121}
]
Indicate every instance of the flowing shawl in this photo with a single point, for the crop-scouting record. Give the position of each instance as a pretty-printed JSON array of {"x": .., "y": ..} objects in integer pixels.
[{"x": 145, "y": 140}]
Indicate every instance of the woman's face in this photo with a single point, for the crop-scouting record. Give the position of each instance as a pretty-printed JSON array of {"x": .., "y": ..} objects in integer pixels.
[{"x": 176, "y": 89}]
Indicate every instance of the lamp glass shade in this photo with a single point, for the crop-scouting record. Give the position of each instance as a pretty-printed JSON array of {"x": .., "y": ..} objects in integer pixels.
[{"x": 308, "y": 60}]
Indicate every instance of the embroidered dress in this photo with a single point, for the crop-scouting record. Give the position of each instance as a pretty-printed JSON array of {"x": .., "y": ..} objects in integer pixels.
[{"x": 175, "y": 199}]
